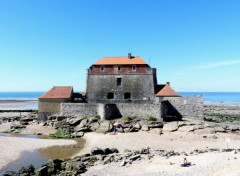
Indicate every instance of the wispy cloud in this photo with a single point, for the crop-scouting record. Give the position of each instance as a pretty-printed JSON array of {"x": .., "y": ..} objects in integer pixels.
[
  {"x": 189, "y": 69},
  {"x": 217, "y": 64}
]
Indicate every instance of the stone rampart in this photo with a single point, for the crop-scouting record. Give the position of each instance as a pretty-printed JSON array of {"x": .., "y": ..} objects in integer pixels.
[
  {"x": 79, "y": 109},
  {"x": 189, "y": 107}
]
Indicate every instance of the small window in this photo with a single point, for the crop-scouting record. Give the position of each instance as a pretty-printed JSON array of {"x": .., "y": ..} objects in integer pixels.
[
  {"x": 119, "y": 68},
  {"x": 102, "y": 68},
  {"x": 110, "y": 95},
  {"x": 91, "y": 68},
  {"x": 119, "y": 81},
  {"x": 134, "y": 67},
  {"x": 127, "y": 95}
]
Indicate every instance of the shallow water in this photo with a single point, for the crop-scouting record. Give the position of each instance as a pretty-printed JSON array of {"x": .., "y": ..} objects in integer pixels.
[{"x": 39, "y": 157}]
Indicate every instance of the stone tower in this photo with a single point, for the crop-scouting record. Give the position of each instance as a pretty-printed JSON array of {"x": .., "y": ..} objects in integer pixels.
[{"x": 121, "y": 80}]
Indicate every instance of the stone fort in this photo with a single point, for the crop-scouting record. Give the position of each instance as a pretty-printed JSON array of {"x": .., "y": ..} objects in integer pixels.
[{"x": 120, "y": 87}]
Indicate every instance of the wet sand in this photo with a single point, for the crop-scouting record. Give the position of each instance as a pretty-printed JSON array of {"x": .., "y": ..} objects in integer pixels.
[{"x": 18, "y": 104}]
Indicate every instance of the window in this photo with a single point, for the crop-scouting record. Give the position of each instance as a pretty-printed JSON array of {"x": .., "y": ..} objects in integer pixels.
[
  {"x": 110, "y": 95},
  {"x": 127, "y": 95},
  {"x": 119, "y": 68},
  {"x": 134, "y": 68},
  {"x": 119, "y": 81},
  {"x": 102, "y": 68}
]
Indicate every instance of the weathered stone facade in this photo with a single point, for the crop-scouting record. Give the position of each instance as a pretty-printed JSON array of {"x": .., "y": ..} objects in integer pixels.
[
  {"x": 123, "y": 87},
  {"x": 139, "y": 85}
]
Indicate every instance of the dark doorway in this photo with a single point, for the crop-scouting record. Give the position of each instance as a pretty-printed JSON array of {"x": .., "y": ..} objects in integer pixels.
[{"x": 169, "y": 112}]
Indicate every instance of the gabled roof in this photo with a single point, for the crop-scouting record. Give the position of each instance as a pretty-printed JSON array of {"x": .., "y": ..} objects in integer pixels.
[
  {"x": 135, "y": 60},
  {"x": 167, "y": 91},
  {"x": 56, "y": 92}
]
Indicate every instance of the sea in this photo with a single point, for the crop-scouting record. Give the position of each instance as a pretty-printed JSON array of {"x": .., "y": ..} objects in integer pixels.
[{"x": 208, "y": 96}]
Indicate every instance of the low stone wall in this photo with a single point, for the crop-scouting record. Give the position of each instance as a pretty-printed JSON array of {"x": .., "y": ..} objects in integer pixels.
[
  {"x": 111, "y": 111},
  {"x": 189, "y": 107},
  {"x": 140, "y": 110},
  {"x": 79, "y": 109}
]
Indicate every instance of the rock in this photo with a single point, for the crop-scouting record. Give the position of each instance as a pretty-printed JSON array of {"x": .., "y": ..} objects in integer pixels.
[
  {"x": 97, "y": 151},
  {"x": 137, "y": 126},
  {"x": 233, "y": 128},
  {"x": 108, "y": 151},
  {"x": 95, "y": 126},
  {"x": 43, "y": 171},
  {"x": 170, "y": 127},
  {"x": 74, "y": 121},
  {"x": 134, "y": 157},
  {"x": 204, "y": 131},
  {"x": 60, "y": 118},
  {"x": 186, "y": 129},
  {"x": 108, "y": 160},
  {"x": 145, "y": 128},
  {"x": 28, "y": 171},
  {"x": 219, "y": 129},
  {"x": 104, "y": 127},
  {"x": 10, "y": 173},
  {"x": 78, "y": 134},
  {"x": 76, "y": 167},
  {"x": 123, "y": 162},
  {"x": 82, "y": 125}
]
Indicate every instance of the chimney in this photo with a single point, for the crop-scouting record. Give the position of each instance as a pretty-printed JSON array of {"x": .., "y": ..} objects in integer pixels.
[
  {"x": 168, "y": 83},
  {"x": 129, "y": 56}
]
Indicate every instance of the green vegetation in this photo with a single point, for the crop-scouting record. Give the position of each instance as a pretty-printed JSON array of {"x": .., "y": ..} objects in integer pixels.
[
  {"x": 97, "y": 116},
  {"x": 151, "y": 118},
  {"x": 59, "y": 134},
  {"x": 127, "y": 119},
  {"x": 219, "y": 118}
]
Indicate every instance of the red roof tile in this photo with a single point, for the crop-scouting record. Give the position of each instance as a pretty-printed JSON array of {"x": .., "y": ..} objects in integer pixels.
[
  {"x": 167, "y": 91},
  {"x": 58, "y": 92},
  {"x": 135, "y": 60}
]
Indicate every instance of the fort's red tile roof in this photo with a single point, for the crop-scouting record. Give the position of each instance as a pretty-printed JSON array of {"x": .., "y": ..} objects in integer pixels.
[
  {"x": 135, "y": 60},
  {"x": 167, "y": 91},
  {"x": 58, "y": 92}
]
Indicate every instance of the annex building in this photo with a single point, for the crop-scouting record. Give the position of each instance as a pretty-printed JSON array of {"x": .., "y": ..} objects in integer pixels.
[{"x": 119, "y": 87}]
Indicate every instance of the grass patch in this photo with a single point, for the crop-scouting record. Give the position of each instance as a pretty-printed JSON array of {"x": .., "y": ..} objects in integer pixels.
[
  {"x": 127, "y": 119},
  {"x": 151, "y": 118}
]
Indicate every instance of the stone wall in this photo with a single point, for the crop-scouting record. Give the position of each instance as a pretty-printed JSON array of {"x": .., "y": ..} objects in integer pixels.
[
  {"x": 188, "y": 107},
  {"x": 111, "y": 111},
  {"x": 140, "y": 86},
  {"x": 79, "y": 109},
  {"x": 51, "y": 107},
  {"x": 140, "y": 110}
]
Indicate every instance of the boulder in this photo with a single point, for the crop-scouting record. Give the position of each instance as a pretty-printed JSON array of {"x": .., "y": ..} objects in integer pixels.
[
  {"x": 205, "y": 131},
  {"x": 74, "y": 121},
  {"x": 186, "y": 129},
  {"x": 97, "y": 151},
  {"x": 109, "y": 159},
  {"x": 43, "y": 171},
  {"x": 219, "y": 129},
  {"x": 233, "y": 128},
  {"x": 145, "y": 128},
  {"x": 75, "y": 167},
  {"x": 137, "y": 126},
  {"x": 104, "y": 127},
  {"x": 94, "y": 126},
  {"x": 170, "y": 127},
  {"x": 78, "y": 134},
  {"x": 82, "y": 126}
]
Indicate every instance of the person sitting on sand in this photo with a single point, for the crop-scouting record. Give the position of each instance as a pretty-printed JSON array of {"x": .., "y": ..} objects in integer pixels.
[
  {"x": 186, "y": 163},
  {"x": 115, "y": 126}
]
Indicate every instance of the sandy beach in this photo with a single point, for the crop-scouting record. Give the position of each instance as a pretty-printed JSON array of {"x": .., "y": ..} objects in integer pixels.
[
  {"x": 18, "y": 104},
  {"x": 204, "y": 164}
]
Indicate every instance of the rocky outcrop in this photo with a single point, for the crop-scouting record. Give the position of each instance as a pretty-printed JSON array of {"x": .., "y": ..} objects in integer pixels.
[{"x": 98, "y": 156}]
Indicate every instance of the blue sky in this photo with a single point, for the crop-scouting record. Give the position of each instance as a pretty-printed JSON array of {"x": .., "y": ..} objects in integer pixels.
[{"x": 194, "y": 44}]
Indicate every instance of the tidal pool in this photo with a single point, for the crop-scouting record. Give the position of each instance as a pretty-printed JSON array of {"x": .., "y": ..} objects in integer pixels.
[{"x": 39, "y": 157}]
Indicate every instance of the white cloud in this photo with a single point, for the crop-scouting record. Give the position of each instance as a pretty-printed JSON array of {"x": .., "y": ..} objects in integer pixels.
[{"x": 217, "y": 64}]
